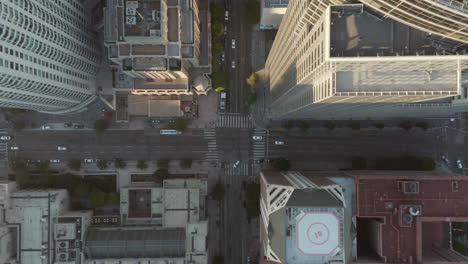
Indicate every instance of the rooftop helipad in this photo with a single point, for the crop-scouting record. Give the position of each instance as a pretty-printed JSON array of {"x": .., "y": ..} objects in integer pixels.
[{"x": 318, "y": 234}]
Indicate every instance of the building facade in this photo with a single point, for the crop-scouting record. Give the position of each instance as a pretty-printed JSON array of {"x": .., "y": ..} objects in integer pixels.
[
  {"x": 49, "y": 55},
  {"x": 349, "y": 62}
]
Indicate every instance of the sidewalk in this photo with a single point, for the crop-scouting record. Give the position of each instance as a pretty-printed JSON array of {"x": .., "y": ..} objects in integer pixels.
[{"x": 207, "y": 111}]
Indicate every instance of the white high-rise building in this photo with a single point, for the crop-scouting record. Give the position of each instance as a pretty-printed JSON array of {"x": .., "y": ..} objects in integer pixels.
[
  {"x": 340, "y": 61},
  {"x": 49, "y": 55}
]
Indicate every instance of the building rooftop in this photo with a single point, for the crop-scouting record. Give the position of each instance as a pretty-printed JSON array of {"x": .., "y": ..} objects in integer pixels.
[
  {"x": 407, "y": 217},
  {"x": 139, "y": 203},
  {"x": 357, "y": 31},
  {"x": 134, "y": 243},
  {"x": 275, "y": 3},
  {"x": 143, "y": 18}
]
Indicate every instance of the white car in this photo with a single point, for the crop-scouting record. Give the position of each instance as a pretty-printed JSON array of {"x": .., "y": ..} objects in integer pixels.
[
  {"x": 236, "y": 164},
  {"x": 46, "y": 127},
  {"x": 444, "y": 158},
  {"x": 257, "y": 137},
  {"x": 233, "y": 64},
  {"x": 89, "y": 161},
  {"x": 222, "y": 56},
  {"x": 54, "y": 161},
  {"x": 459, "y": 164},
  {"x": 279, "y": 142},
  {"x": 59, "y": 148},
  {"x": 14, "y": 148},
  {"x": 226, "y": 15},
  {"x": 5, "y": 137},
  {"x": 233, "y": 43}
]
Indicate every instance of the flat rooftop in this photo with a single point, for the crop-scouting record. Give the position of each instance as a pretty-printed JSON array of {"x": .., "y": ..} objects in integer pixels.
[
  {"x": 143, "y": 18},
  {"x": 139, "y": 203},
  {"x": 404, "y": 212},
  {"x": 275, "y": 3},
  {"x": 356, "y": 31}
]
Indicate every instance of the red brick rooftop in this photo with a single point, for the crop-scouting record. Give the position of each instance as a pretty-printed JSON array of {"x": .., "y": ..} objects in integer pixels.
[{"x": 442, "y": 199}]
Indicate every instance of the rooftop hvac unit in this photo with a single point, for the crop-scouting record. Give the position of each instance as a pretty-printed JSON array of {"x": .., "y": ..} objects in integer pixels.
[
  {"x": 410, "y": 187},
  {"x": 407, "y": 219},
  {"x": 62, "y": 256},
  {"x": 132, "y": 4},
  {"x": 130, "y": 11},
  {"x": 415, "y": 210},
  {"x": 130, "y": 20}
]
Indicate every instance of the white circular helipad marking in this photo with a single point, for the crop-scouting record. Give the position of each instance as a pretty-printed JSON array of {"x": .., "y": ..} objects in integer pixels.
[{"x": 318, "y": 234}]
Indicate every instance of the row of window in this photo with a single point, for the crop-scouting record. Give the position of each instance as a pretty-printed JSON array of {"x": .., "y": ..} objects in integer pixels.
[
  {"x": 21, "y": 40},
  {"x": 22, "y": 85},
  {"x": 67, "y": 40}
]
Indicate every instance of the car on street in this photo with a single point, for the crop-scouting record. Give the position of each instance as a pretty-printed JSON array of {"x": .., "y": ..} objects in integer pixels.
[
  {"x": 233, "y": 43},
  {"x": 78, "y": 126},
  {"x": 5, "y": 137},
  {"x": 89, "y": 160},
  {"x": 257, "y": 137},
  {"x": 236, "y": 164},
  {"x": 46, "y": 127},
  {"x": 14, "y": 147},
  {"x": 459, "y": 164},
  {"x": 222, "y": 56},
  {"x": 54, "y": 161},
  {"x": 60, "y": 148},
  {"x": 248, "y": 259},
  {"x": 225, "y": 30},
  {"x": 226, "y": 15},
  {"x": 233, "y": 64},
  {"x": 279, "y": 142},
  {"x": 67, "y": 125}
]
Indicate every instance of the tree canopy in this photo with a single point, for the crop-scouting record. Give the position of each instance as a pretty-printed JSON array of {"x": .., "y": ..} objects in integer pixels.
[
  {"x": 101, "y": 124},
  {"x": 74, "y": 164}
]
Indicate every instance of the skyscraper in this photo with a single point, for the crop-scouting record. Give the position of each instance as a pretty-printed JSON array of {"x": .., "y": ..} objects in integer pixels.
[
  {"x": 49, "y": 55},
  {"x": 358, "y": 61}
]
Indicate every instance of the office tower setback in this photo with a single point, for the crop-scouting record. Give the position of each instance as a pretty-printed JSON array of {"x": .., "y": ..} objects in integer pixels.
[
  {"x": 48, "y": 55},
  {"x": 352, "y": 61}
]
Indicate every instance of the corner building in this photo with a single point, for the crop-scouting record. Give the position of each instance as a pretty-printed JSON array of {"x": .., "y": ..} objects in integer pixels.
[
  {"x": 351, "y": 61},
  {"x": 49, "y": 55}
]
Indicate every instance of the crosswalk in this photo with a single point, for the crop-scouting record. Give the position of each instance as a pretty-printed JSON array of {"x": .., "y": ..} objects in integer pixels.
[
  {"x": 210, "y": 135},
  {"x": 259, "y": 145},
  {"x": 241, "y": 170},
  {"x": 234, "y": 121}
]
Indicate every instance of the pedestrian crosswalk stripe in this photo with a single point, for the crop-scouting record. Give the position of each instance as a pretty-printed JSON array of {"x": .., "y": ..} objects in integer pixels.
[
  {"x": 241, "y": 170},
  {"x": 234, "y": 121},
  {"x": 212, "y": 153}
]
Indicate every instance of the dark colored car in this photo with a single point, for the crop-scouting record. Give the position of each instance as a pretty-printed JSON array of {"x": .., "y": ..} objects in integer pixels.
[
  {"x": 78, "y": 126},
  {"x": 67, "y": 125}
]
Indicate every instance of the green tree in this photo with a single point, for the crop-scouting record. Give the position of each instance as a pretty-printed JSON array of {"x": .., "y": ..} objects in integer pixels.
[
  {"x": 97, "y": 197},
  {"x": 82, "y": 189},
  {"x": 19, "y": 125},
  {"x": 406, "y": 125},
  {"x": 141, "y": 164},
  {"x": 379, "y": 125},
  {"x": 160, "y": 175},
  {"x": 217, "y": 28},
  {"x": 113, "y": 198},
  {"x": 120, "y": 163},
  {"x": 219, "y": 80},
  {"x": 329, "y": 125},
  {"x": 251, "y": 97},
  {"x": 101, "y": 124},
  {"x": 42, "y": 166},
  {"x": 288, "y": 125},
  {"x": 217, "y": 46},
  {"x": 303, "y": 126},
  {"x": 217, "y": 11},
  {"x": 422, "y": 125},
  {"x": 427, "y": 163},
  {"x": 252, "y": 80},
  {"x": 15, "y": 111},
  {"x": 218, "y": 259},
  {"x": 217, "y": 192},
  {"x": 252, "y": 12},
  {"x": 355, "y": 126},
  {"x": 359, "y": 163},
  {"x": 180, "y": 124},
  {"x": 281, "y": 164},
  {"x": 186, "y": 163},
  {"x": 74, "y": 164},
  {"x": 17, "y": 163},
  {"x": 102, "y": 164},
  {"x": 163, "y": 163}
]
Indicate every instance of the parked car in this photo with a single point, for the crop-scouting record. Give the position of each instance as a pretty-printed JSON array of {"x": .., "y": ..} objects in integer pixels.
[
  {"x": 236, "y": 164},
  {"x": 54, "y": 161},
  {"x": 59, "y": 148},
  {"x": 78, "y": 126},
  {"x": 225, "y": 30},
  {"x": 279, "y": 142},
  {"x": 226, "y": 15},
  {"x": 222, "y": 56},
  {"x": 5, "y": 137},
  {"x": 233, "y": 64},
  {"x": 233, "y": 43},
  {"x": 459, "y": 164},
  {"x": 257, "y": 137},
  {"x": 89, "y": 160},
  {"x": 14, "y": 147},
  {"x": 67, "y": 125},
  {"x": 46, "y": 127},
  {"x": 444, "y": 158}
]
